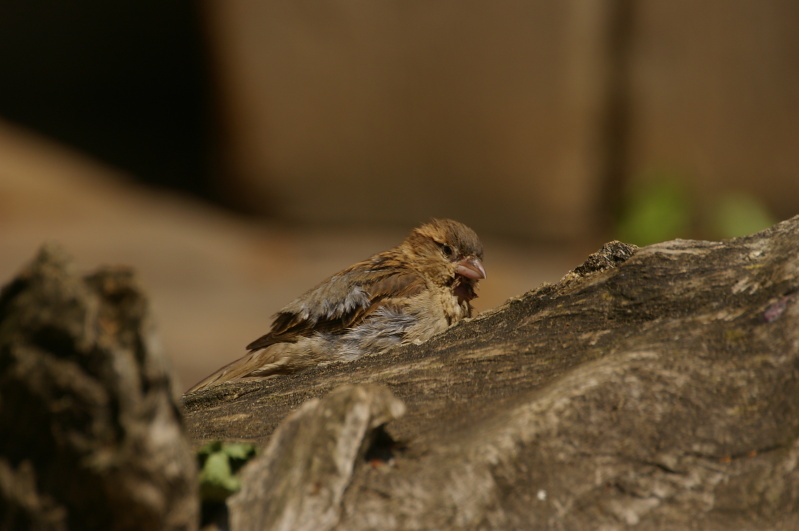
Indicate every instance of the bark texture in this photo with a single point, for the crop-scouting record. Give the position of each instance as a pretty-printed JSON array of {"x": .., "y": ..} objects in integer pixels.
[
  {"x": 90, "y": 433},
  {"x": 656, "y": 387},
  {"x": 300, "y": 486}
]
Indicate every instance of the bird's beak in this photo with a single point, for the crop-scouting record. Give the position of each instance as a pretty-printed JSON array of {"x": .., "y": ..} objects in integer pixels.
[{"x": 471, "y": 267}]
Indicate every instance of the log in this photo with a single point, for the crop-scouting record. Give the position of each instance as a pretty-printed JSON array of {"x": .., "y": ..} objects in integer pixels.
[{"x": 654, "y": 386}]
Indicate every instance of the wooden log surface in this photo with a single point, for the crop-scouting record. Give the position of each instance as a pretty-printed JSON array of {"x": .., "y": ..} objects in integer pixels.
[{"x": 655, "y": 386}]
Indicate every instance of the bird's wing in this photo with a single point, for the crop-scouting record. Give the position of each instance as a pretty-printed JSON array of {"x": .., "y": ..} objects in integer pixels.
[{"x": 342, "y": 301}]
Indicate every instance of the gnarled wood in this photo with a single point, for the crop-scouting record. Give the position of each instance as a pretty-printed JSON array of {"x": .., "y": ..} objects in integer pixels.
[{"x": 90, "y": 433}]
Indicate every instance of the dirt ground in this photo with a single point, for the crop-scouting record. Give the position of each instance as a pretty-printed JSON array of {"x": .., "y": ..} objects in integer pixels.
[{"x": 214, "y": 278}]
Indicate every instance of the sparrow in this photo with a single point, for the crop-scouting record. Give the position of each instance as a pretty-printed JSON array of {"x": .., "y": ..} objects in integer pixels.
[{"x": 404, "y": 295}]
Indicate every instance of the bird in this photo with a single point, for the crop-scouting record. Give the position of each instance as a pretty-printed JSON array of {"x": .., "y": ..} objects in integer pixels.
[{"x": 406, "y": 294}]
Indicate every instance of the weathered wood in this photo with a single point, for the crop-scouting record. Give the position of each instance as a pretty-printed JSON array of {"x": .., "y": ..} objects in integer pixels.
[
  {"x": 90, "y": 433},
  {"x": 655, "y": 386},
  {"x": 300, "y": 486}
]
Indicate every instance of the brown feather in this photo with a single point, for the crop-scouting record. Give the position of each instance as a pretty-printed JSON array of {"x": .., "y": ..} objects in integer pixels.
[{"x": 376, "y": 283}]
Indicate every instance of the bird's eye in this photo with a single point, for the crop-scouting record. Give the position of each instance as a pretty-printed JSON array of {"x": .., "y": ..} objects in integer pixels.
[{"x": 447, "y": 250}]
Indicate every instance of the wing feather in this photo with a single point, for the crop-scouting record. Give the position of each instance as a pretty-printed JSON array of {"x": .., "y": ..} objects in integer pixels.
[{"x": 342, "y": 301}]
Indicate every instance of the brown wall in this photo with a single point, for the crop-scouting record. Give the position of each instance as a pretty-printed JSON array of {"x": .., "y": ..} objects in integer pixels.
[
  {"x": 522, "y": 116},
  {"x": 714, "y": 92}
]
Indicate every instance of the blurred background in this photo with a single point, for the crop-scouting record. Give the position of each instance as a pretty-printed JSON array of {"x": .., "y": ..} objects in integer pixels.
[{"x": 235, "y": 153}]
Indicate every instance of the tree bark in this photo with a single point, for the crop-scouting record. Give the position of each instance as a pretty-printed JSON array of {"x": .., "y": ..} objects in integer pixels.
[{"x": 90, "y": 433}]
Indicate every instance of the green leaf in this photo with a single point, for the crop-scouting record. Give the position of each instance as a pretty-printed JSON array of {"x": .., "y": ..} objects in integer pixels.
[
  {"x": 219, "y": 464},
  {"x": 241, "y": 451}
]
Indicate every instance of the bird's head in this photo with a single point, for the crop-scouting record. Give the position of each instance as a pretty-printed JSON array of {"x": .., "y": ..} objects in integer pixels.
[{"x": 449, "y": 254}]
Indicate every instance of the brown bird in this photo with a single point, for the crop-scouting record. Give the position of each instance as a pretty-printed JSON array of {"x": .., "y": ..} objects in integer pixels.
[{"x": 404, "y": 295}]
